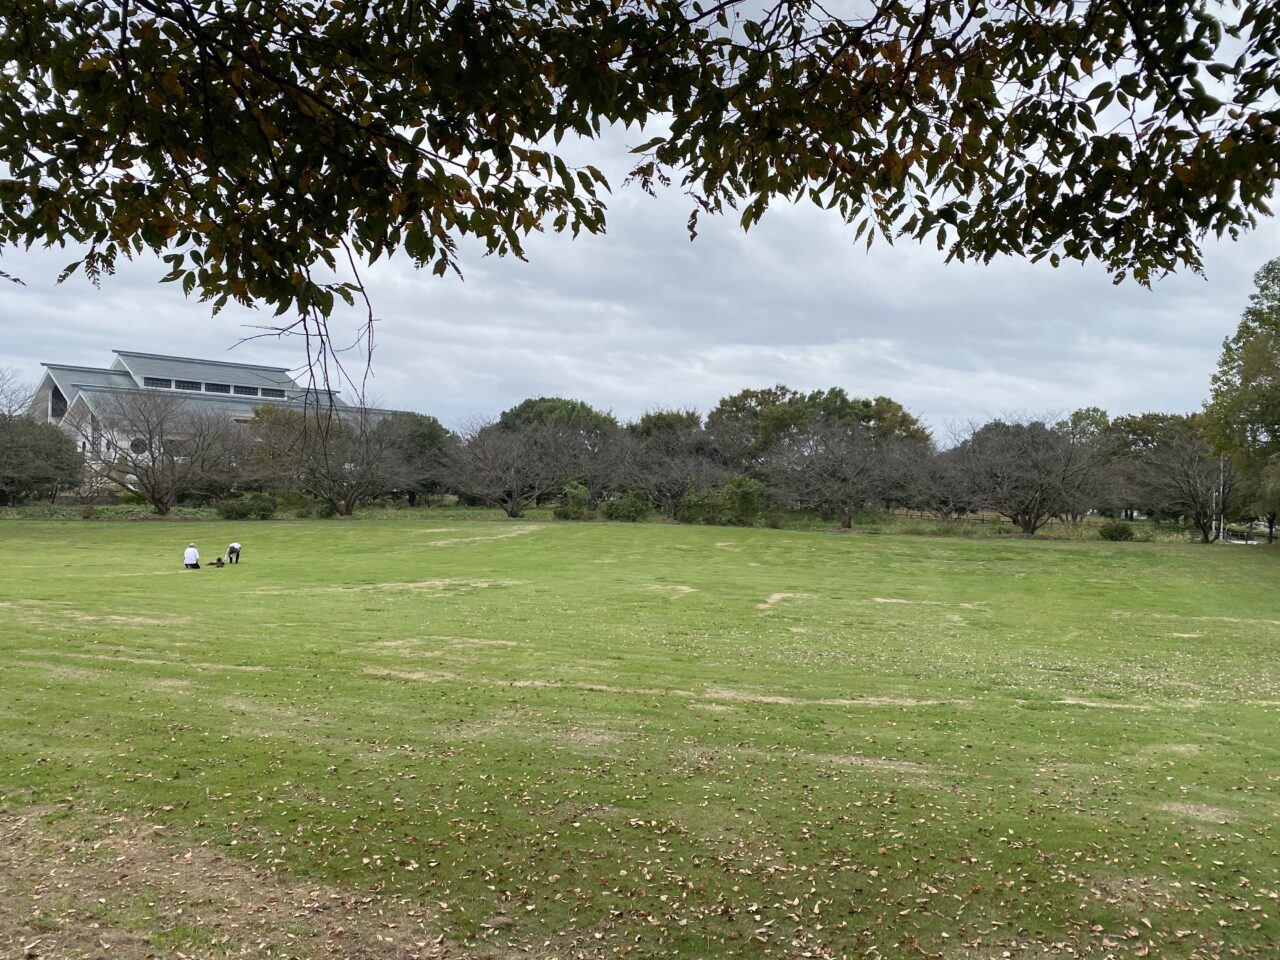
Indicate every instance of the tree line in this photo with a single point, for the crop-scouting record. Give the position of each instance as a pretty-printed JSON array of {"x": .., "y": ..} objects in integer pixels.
[
  {"x": 774, "y": 448},
  {"x": 758, "y": 450}
]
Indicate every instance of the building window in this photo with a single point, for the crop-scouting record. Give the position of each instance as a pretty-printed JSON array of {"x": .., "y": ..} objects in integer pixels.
[
  {"x": 217, "y": 388},
  {"x": 156, "y": 382},
  {"x": 245, "y": 391},
  {"x": 273, "y": 392},
  {"x": 186, "y": 384},
  {"x": 57, "y": 404}
]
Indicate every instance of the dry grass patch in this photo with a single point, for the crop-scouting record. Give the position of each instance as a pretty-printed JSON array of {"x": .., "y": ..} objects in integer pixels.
[
  {"x": 506, "y": 534},
  {"x": 1199, "y": 811},
  {"x": 675, "y": 589},
  {"x": 146, "y": 661},
  {"x": 720, "y": 693},
  {"x": 964, "y": 605},
  {"x": 59, "y": 671},
  {"x": 418, "y": 676},
  {"x": 82, "y": 617},
  {"x": 775, "y": 598},
  {"x": 439, "y": 583},
  {"x": 1101, "y": 704},
  {"x": 596, "y": 688},
  {"x": 872, "y": 763},
  {"x": 123, "y": 889}
]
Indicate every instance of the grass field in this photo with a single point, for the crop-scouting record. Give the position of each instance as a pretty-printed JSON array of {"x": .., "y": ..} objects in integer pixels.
[{"x": 448, "y": 738}]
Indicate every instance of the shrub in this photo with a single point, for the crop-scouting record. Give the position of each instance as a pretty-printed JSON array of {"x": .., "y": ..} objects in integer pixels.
[
  {"x": 88, "y": 512},
  {"x": 632, "y": 507},
  {"x": 694, "y": 507},
  {"x": 575, "y": 503},
  {"x": 255, "y": 506},
  {"x": 302, "y": 513},
  {"x": 741, "y": 500},
  {"x": 1116, "y": 530}
]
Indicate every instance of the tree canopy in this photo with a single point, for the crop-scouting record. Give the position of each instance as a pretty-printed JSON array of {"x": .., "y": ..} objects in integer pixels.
[
  {"x": 757, "y": 418},
  {"x": 557, "y": 412},
  {"x": 1243, "y": 416},
  {"x": 262, "y": 146},
  {"x": 34, "y": 458}
]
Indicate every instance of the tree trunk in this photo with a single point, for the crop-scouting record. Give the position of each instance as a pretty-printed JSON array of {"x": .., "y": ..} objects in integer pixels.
[{"x": 413, "y": 498}]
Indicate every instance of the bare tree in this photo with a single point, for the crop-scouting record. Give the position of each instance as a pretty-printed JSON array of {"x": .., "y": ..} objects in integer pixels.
[
  {"x": 934, "y": 480},
  {"x": 339, "y": 456},
  {"x": 160, "y": 448},
  {"x": 511, "y": 467},
  {"x": 1028, "y": 472},
  {"x": 15, "y": 393},
  {"x": 835, "y": 466},
  {"x": 1181, "y": 477},
  {"x": 673, "y": 457}
]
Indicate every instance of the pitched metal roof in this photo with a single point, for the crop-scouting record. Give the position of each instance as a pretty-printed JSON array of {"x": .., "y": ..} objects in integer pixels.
[
  {"x": 69, "y": 379},
  {"x": 229, "y": 405},
  {"x": 218, "y": 371}
]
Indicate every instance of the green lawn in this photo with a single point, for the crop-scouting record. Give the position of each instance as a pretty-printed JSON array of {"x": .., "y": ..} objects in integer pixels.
[{"x": 598, "y": 739}]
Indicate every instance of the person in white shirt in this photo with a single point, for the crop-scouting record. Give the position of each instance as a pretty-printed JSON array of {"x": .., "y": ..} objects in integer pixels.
[
  {"x": 233, "y": 553},
  {"x": 191, "y": 557}
]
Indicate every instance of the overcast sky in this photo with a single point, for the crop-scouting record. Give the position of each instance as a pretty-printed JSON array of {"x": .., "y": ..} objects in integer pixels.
[{"x": 643, "y": 319}]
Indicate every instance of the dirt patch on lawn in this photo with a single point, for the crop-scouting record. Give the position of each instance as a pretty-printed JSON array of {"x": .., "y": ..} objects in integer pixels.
[
  {"x": 439, "y": 584},
  {"x": 964, "y": 605},
  {"x": 1102, "y": 704},
  {"x": 65, "y": 672},
  {"x": 1199, "y": 811},
  {"x": 675, "y": 589},
  {"x": 418, "y": 676},
  {"x": 146, "y": 661},
  {"x": 81, "y": 616},
  {"x": 124, "y": 890},
  {"x": 412, "y": 585},
  {"x": 434, "y": 641},
  {"x": 477, "y": 642},
  {"x": 1205, "y": 618},
  {"x": 505, "y": 534},
  {"x": 745, "y": 697},
  {"x": 875, "y": 763},
  {"x": 597, "y": 688},
  {"x": 776, "y": 598}
]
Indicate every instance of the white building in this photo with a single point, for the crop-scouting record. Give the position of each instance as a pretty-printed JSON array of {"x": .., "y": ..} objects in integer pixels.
[{"x": 70, "y": 396}]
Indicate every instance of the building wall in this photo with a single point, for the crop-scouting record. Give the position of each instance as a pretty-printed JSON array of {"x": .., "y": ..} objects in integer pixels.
[{"x": 39, "y": 409}]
